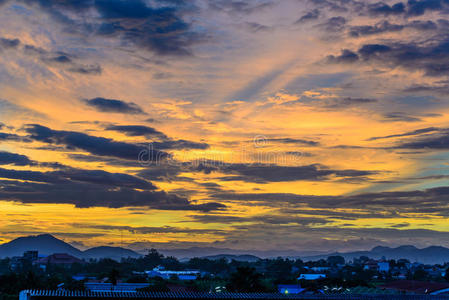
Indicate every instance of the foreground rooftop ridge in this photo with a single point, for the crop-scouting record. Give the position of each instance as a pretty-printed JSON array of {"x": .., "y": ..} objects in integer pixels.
[{"x": 45, "y": 294}]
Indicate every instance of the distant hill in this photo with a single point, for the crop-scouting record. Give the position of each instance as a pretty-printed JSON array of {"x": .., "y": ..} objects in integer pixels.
[
  {"x": 47, "y": 244},
  {"x": 110, "y": 252},
  {"x": 229, "y": 257},
  {"x": 186, "y": 253},
  {"x": 429, "y": 255}
]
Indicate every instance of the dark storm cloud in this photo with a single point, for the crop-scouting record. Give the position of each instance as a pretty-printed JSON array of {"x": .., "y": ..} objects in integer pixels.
[
  {"x": 419, "y": 201},
  {"x": 90, "y": 188},
  {"x": 179, "y": 145},
  {"x": 410, "y": 8},
  {"x": 34, "y": 176},
  {"x": 8, "y": 158},
  {"x": 442, "y": 87},
  {"x": 149, "y": 230},
  {"x": 115, "y": 106},
  {"x": 350, "y": 234},
  {"x": 401, "y": 117},
  {"x": 262, "y": 173},
  {"x": 339, "y": 6},
  {"x": 410, "y": 133},
  {"x": 431, "y": 56},
  {"x": 435, "y": 141},
  {"x": 12, "y": 137},
  {"x": 159, "y": 29},
  {"x": 343, "y": 215},
  {"x": 136, "y": 130},
  {"x": 293, "y": 141},
  {"x": 385, "y": 26},
  {"x": 309, "y": 16},
  {"x": 419, "y": 7},
  {"x": 88, "y": 195},
  {"x": 238, "y": 6},
  {"x": 346, "y": 56},
  {"x": 166, "y": 143},
  {"x": 265, "y": 219},
  {"x": 112, "y": 151},
  {"x": 86, "y": 69},
  {"x": 68, "y": 174},
  {"x": 6, "y": 43},
  {"x": 349, "y": 101},
  {"x": 62, "y": 59},
  {"x": 95, "y": 145},
  {"x": 381, "y": 27},
  {"x": 161, "y": 172},
  {"x": 105, "y": 178},
  {"x": 381, "y": 8},
  {"x": 334, "y": 24},
  {"x": 112, "y": 161},
  {"x": 423, "y": 25}
]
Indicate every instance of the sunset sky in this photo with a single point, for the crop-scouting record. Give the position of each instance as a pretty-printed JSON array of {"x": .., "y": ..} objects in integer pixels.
[{"x": 272, "y": 125}]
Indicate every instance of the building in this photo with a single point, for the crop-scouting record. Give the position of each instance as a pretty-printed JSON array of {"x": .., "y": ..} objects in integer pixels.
[
  {"x": 28, "y": 258},
  {"x": 166, "y": 274},
  {"x": 79, "y": 277},
  {"x": 119, "y": 287},
  {"x": 311, "y": 276},
  {"x": 15, "y": 263},
  {"x": 371, "y": 265},
  {"x": 383, "y": 266},
  {"x": 290, "y": 289},
  {"x": 61, "y": 259},
  {"x": 320, "y": 269},
  {"x": 31, "y": 256},
  {"x": 418, "y": 287}
]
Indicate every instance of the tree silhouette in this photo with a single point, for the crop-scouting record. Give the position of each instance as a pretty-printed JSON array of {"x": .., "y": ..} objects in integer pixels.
[
  {"x": 113, "y": 276},
  {"x": 245, "y": 280}
]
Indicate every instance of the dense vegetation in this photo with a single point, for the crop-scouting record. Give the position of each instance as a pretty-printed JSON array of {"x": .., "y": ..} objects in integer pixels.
[{"x": 234, "y": 276}]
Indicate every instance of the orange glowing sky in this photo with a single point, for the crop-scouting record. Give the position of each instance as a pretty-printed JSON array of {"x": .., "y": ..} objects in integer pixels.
[{"x": 277, "y": 124}]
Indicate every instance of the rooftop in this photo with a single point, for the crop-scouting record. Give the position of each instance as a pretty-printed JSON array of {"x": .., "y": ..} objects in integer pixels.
[
  {"x": 46, "y": 294},
  {"x": 417, "y": 287}
]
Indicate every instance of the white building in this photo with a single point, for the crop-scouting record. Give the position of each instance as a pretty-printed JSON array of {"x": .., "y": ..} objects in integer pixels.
[
  {"x": 311, "y": 276},
  {"x": 383, "y": 266},
  {"x": 166, "y": 274}
]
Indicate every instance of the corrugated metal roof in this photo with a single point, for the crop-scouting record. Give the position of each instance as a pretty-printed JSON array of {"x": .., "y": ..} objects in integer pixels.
[{"x": 239, "y": 296}]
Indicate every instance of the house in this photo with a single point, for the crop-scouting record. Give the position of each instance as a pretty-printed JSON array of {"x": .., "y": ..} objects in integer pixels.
[
  {"x": 166, "y": 274},
  {"x": 417, "y": 287},
  {"x": 311, "y": 276},
  {"x": 383, "y": 266},
  {"x": 371, "y": 265},
  {"x": 61, "y": 259},
  {"x": 290, "y": 289},
  {"x": 80, "y": 277},
  {"x": 119, "y": 287}
]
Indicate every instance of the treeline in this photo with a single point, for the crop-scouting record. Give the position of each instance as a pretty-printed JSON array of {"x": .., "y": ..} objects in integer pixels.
[{"x": 233, "y": 276}]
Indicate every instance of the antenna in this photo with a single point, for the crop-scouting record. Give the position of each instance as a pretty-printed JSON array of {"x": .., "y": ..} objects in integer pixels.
[{"x": 121, "y": 244}]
